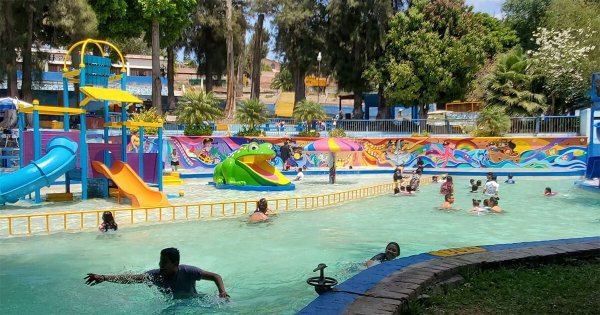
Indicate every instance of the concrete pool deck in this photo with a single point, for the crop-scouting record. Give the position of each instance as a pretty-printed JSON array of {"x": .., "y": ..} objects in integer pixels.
[{"x": 388, "y": 287}]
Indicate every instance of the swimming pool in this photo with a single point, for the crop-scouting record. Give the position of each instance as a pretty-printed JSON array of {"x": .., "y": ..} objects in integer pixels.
[{"x": 265, "y": 266}]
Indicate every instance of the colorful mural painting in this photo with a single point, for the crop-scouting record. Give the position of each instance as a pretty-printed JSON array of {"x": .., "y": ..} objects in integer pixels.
[{"x": 202, "y": 154}]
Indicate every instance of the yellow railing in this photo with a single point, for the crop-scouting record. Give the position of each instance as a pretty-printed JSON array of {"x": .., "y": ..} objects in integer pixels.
[{"x": 28, "y": 224}]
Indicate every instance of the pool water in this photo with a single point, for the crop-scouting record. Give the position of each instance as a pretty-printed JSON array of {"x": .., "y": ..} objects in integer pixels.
[{"x": 264, "y": 266}]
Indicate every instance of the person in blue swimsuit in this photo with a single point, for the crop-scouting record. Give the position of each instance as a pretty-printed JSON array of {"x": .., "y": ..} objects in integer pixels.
[
  {"x": 392, "y": 250},
  {"x": 172, "y": 278}
]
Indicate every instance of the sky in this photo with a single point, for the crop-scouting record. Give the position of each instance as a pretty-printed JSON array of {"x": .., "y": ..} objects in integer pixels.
[{"x": 491, "y": 7}]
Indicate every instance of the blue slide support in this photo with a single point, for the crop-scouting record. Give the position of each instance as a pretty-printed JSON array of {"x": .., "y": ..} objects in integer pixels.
[{"x": 61, "y": 157}]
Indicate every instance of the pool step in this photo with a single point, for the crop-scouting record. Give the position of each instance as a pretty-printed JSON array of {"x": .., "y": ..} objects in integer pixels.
[{"x": 172, "y": 179}]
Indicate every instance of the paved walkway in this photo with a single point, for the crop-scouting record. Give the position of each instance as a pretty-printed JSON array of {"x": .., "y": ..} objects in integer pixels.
[{"x": 386, "y": 288}]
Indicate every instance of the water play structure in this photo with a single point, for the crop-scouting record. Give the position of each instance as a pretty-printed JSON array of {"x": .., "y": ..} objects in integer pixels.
[
  {"x": 67, "y": 152},
  {"x": 249, "y": 167}
]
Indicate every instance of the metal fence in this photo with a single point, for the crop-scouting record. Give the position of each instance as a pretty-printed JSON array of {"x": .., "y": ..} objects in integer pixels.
[{"x": 548, "y": 125}]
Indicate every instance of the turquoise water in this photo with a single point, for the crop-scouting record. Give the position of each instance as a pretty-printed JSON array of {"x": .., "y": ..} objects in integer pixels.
[{"x": 265, "y": 266}]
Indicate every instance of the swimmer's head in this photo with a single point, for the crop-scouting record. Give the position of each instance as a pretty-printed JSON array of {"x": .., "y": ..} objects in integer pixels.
[
  {"x": 486, "y": 202},
  {"x": 449, "y": 197},
  {"x": 392, "y": 250},
  {"x": 510, "y": 176},
  {"x": 449, "y": 179},
  {"x": 547, "y": 191},
  {"x": 107, "y": 216},
  {"x": 262, "y": 204},
  {"x": 472, "y": 181},
  {"x": 478, "y": 183},
  {"x": 476, "y": 202},
  {"x": 169, "y": 261},
  {"x": 494, "y": 201}
]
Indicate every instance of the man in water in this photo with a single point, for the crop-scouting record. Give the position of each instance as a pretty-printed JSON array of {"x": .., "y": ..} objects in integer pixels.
[{"x": 172, "y": 278}]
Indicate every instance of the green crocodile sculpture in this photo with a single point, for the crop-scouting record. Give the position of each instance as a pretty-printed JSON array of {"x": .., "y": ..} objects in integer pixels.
[{"x": 249, "y": 166}]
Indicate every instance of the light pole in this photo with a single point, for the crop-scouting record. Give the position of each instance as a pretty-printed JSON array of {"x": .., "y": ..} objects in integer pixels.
[{"x": 319, "y": 57}]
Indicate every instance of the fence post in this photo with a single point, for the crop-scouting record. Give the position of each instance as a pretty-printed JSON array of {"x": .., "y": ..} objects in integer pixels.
[{"x": 537, "y": 125}]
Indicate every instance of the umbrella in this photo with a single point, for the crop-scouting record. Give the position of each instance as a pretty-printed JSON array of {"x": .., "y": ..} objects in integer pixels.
[
  {"x": 8, "y": 103},
  {"x": 332, "y": 145}
]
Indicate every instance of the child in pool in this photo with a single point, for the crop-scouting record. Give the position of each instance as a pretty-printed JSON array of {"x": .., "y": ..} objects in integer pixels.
[
  {"x": 510, "y": 179},
  {"x": 548, "y": 192},
  {"x": 476, "y": 206},
  {"x": 108, "y": 222},
  {"x": 392, "y": 250},
  {"x": 262, "y": 211},
  {"x": 493, "y": 205},
  {"x": 448, "y": 202}
]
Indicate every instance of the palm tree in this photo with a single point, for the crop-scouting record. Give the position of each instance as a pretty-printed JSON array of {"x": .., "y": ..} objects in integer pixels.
[
  {"x": 309, "y": 111},
  {"x": 492, "y": 122},
  {"x": 283, "y": 81},
  {"x": 510, "y": 86},
  {"x": 252, "y": 113},
  {"x": 195, "y": 108}
]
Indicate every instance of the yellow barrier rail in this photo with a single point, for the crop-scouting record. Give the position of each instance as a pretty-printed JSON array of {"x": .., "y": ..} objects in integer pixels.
[{"x": 80, "y": 220}]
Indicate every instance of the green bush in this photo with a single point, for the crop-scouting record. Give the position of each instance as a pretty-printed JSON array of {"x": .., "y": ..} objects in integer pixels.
[
  {"x": 492, "y": 122},
  {"x": 311, "y": 133},
  {"x": 250, "y": 132},
  {"x": 198, "y": 130},
  {"x": 337, "y": 132},
  {"x": 422, "y": 134}
]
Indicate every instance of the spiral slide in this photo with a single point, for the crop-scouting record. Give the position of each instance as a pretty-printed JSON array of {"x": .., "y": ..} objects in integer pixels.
[
  {"x": 131, "y": 185},
  {"x": 61, "y": 157}
]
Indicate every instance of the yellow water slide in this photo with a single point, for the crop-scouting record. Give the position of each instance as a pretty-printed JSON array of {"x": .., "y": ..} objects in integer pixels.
[
  {"x": 131, "y": 185},
  {"x": 284, "y": 107}
]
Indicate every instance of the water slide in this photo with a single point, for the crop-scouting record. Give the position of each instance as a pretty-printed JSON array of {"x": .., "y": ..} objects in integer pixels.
[
  {"x": 61, "y": 156},
  {"x": 131, "y": 185}
]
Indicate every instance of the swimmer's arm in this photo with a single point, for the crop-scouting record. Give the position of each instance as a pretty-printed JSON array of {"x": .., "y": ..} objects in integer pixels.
[
  {"x": 206, "y": 275},
  {"x": 93, "y": 279}
]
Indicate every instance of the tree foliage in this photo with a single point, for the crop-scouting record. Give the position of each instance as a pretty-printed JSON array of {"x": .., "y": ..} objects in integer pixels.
[
  {"x": 309, "y": 111},
  {"x": 492, "y": 122},
  {"x": 300, "y": 36},
  {"x": 355, "y": 34},
  {"x": 283, "y": 81},
  {"x": 562, "y": 60},
  {"x": 252, "y": 113},
  {"x": 197, "y": 107},
  {"x": 434, "y": 49},
  {"x": 511, "y": 86},
  {"x": 525, "y": 16}
]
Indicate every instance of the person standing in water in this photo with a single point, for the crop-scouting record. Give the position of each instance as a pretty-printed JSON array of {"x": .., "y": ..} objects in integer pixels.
[
  {"x": 171, "y": 277},
  {"x": 174, "y": 160}
]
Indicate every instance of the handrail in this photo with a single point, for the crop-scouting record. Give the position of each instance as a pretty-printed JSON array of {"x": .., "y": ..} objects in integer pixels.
[{"x": 81, "y": 220}]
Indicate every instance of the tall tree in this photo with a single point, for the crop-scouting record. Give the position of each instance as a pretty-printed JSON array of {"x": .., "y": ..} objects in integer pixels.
[
  {"x": 356, "y": 34},
  {"x": 525, "y": 16},
  {"x": 158, "y": 12},
  {"x": 261, "y": 7},
  {"x": 230, "y": 102},
  {"x": 300, "y": 36}
]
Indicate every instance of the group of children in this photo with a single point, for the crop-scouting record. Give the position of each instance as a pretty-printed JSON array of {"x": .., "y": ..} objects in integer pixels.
[
  {"x": 406, "y": 187},
  {"x": 491, "y": 189}
]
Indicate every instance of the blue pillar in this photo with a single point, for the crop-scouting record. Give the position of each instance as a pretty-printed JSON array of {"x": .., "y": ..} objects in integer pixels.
[
  {"x": 66, "y": 103},
  {"x": 160, "y": 159},
  {"x": 123, "y": 119},
  {"x": 21, "y": 132},
  {"x": 106, "y": 120},
  {"x": 83, "y": 152},
  {"x": 141, "y": 153},
  {"x": 37, "y": 146}
]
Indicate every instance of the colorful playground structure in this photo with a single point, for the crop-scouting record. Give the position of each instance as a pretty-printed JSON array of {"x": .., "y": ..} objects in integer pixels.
[{"x": 67, "y": 151}]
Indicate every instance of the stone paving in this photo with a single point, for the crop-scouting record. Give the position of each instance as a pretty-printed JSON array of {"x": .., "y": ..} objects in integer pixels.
[{"x": 409, "y": 277}]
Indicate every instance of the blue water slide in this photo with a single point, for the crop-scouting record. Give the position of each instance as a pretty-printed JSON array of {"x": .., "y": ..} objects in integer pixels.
[{"x": 61, "y": 156}]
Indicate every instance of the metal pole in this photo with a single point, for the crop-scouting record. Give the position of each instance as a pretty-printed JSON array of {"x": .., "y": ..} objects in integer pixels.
[{"x": 318, "y": 82}]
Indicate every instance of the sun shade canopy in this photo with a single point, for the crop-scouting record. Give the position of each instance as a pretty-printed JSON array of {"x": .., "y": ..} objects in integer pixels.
[
  {"x": 106, "y": 94},
  {"x": 333, "y": 145}
]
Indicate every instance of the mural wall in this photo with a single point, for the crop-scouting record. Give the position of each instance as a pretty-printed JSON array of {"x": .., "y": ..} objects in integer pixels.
[{"x": 202, "y": 154}]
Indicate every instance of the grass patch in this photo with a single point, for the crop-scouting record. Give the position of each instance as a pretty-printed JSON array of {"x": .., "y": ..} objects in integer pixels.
[{"x": 571, "y": 287}]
